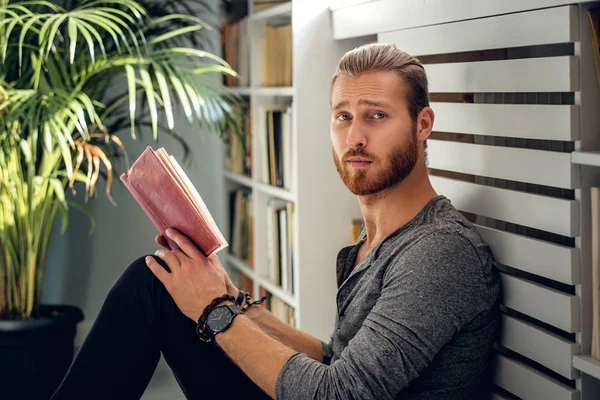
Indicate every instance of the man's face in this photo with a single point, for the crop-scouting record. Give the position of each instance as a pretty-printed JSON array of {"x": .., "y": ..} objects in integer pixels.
[{"x": 374, "y": 138}]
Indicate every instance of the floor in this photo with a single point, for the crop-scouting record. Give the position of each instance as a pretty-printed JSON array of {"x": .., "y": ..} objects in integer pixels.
[{"x": 163, "y": 385}]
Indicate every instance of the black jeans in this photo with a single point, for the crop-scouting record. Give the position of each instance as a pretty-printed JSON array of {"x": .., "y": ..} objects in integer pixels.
[{"x": 137, "y": 322}]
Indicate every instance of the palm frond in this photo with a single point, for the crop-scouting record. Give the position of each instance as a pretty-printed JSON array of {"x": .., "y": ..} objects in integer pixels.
[{"x": 60, "y": 118}]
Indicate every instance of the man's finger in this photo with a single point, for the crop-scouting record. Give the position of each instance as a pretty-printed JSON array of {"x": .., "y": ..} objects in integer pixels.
[
  {"x": 160, "y": 240},
  {"x": 158, "y": 271},
  {"x": 185, "y": 244},
  {"x": 170, "y": 258}
]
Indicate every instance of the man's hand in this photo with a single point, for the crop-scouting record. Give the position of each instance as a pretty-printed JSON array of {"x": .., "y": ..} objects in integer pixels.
[
  {"x": 231, "y": 289},
  {"x": 194, "y": 280}
]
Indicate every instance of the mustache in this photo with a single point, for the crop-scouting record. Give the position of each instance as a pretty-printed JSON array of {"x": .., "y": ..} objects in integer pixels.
[{"x": 358, "y": 153}]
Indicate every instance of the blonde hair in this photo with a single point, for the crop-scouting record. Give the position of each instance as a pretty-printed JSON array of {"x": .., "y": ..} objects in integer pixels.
[{"x": 379, "y": 57}]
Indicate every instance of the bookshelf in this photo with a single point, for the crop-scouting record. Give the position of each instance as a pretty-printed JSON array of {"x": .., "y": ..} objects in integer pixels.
[
  {"x": 587, "y": 365},
  {"x": 313, "y": 204},
  {"x": 590, "y": 158}
]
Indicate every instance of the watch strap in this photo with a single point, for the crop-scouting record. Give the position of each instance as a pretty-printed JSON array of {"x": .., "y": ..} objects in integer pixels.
[{"x": 201, "y": 329}]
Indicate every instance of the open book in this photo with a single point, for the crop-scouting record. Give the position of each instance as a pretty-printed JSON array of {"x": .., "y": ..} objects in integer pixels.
[{"x": 170, "y": 200}]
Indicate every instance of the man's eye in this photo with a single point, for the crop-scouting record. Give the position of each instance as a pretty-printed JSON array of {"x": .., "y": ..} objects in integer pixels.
[
  {"x": 379, "y": 115},
  {"x": 343, "y": 117}
]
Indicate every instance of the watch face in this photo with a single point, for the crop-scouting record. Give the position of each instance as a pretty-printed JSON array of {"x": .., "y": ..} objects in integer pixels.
[{"x": 219, "y": 319}]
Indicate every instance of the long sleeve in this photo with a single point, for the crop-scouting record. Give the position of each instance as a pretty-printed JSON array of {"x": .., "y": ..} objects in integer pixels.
[
  {"x": 429, "y": 294},
  {"x": 327, "y": 352}
]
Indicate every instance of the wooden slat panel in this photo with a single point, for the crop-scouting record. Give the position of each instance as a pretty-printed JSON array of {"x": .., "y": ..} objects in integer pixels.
[
  {"x": 541, "y": 212},
  {"x": 547, "y": 305},
  {"x": 548, "y": 349},
  {"x": 550, "y": 74},
  {"x": 528, "y": 383},
  {"x": 369, "y": 19},
  {"x": 552, "y": 261},
  {"x": 552, "y": 25},
  {"x": 523, "y": 165},
  {"x": 534, "y": 121}
]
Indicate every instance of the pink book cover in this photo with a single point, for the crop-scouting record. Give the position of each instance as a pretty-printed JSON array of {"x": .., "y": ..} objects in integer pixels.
[{"x": 166, "y": 204}]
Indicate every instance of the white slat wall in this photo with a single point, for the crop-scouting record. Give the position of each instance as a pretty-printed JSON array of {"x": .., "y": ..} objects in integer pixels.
[{"x": 514, "y": 175}]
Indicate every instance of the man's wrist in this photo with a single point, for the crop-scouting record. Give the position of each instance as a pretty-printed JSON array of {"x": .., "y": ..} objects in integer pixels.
[{"x": 228, "y": 333}]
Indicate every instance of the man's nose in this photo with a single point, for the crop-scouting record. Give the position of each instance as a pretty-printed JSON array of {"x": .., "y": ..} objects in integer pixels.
[{"x": 356, "y": 135}]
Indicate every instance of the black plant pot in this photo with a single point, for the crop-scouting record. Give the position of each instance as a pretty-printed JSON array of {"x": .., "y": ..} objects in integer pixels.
[{"x": 35, "y": 354}]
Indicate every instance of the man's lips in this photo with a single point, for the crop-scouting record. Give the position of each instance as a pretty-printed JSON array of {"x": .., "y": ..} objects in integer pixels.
[{"x": 358, "y": 162}]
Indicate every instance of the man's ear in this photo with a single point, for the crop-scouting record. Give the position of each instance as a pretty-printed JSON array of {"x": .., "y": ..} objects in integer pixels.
[{"x": 425, "y": 121}]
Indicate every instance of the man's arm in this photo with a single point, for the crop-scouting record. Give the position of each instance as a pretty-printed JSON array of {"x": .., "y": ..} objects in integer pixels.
[
  {"x": 284, "y": 333},
  {"x": 400, "y": 337},
  {"x": 259, "y": 355}
]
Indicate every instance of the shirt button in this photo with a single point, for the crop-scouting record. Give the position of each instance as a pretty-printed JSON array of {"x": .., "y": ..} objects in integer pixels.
[{"x": 387, "y": 352}]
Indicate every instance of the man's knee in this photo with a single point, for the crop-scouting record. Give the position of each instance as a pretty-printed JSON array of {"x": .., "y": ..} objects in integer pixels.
[{"x": 138, "y": 271}]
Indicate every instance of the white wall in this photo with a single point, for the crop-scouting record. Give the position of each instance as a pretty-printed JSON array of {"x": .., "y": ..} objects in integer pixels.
[{"x": 82, "y": 268}]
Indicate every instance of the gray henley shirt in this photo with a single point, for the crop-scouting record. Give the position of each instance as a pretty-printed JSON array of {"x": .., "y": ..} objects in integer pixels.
[{"x": 416, "y": 319}]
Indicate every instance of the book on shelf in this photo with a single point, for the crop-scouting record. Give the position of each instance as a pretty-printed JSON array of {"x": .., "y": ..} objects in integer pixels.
[
  {"x": 170, "y": 200},
  {"x": 234, "y": 43},
  {"x": 246, "y": 284},
  {"x": 595, "y": 219},
  {"x": 276, "y": 144},
  {"x": 594, "y": 19},
  {"x": 278, "y": 307},
  {"x": 277, "y": 55},
  {"x": 238, "y": 145},
  {"x": 260, "y": 5},
  {"x": 241, "y": 223},
  {"x": 280, "y": 244}
]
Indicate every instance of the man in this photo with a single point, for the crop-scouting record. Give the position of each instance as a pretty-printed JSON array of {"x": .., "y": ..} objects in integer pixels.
[{"x": 417, "y": 300}]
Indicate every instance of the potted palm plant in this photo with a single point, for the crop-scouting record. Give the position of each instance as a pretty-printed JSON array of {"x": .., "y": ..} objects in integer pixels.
[{"x": 59, "y": 130}]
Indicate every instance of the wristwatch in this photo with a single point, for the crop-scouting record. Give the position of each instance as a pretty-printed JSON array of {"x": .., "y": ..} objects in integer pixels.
[{"x": 220, "y": 318}]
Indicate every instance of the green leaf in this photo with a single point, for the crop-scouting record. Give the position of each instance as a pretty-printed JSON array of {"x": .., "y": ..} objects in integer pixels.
[
  {"x": 86, "y": 27},
  {"x": 45, "y": 27},
  {"x": 214, "y": 68},
  {"x": 133, "y": 6},
  {"x": 87, "y": 103},
  {"x": 50, "y": 39},
  {"x": 147, "y": 83},
  {"x": 48, "y": 137},
  {"x": 19, "y": 7},
  {"x": 54, "y": 7},
  {"x": 78, "y": 175},
  {"x": 58, "y": 189},
  {"x": 64, "y": 219},
  {"x": 164, "y": 91},
  {"x": 130, "y": 72},
  {"x": 170, "y": 52},
  {"x": 193, "y": 95},
  {"x": 181, "y": 94},
  {"x": 183, "y": 17},
  {"x": 54, "y": 75},
  {"x": 26, "y": 150},
  {"x": 108, "y": 16},
  {"x": 77, "y": 116},
  {"x": 24, "y": 31},
  {"x": 176, "y": 32},
  {"x": 7, "y": 33},
  {"x": 72, "y": 39},
  {"x": 117, "y": 12},
  {"x": 109, "y": 27},
  {"x": 88, "y": 38}
]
